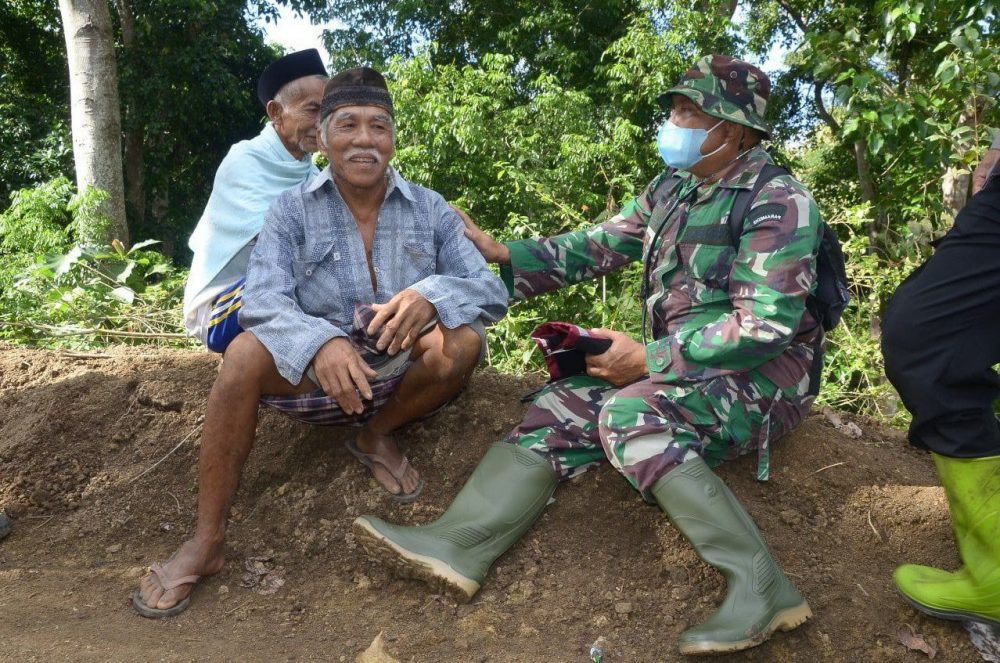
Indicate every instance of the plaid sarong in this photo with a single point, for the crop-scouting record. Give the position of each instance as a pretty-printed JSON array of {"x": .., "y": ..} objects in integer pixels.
[{"x": 318, "y": 409}]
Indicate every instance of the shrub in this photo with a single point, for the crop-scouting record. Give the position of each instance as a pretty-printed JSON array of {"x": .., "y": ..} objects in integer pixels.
[{"x": 59, "y": 289}]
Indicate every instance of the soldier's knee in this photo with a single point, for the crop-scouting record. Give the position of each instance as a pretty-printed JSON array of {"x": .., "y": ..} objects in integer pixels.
[
  {"x": 547, "y": 400},
  {"x": 617, "y": 416},
  {"x": 624, "y": 408}
]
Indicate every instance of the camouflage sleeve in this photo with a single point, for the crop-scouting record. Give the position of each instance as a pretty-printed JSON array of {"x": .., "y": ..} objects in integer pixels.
[
  {"x": 541, "y": 265},
  {"x": 773, "y": 273}
]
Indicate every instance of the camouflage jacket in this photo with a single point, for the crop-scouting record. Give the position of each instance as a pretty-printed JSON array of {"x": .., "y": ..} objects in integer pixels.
[{"x": 714, "y": 309}]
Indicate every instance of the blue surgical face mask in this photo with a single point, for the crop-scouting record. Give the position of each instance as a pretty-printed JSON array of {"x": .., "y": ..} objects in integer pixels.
[{"x": 681, "y": 148}]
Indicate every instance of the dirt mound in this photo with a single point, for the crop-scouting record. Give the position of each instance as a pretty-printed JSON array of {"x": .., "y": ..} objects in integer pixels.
[{"x": 98, "y": 467}]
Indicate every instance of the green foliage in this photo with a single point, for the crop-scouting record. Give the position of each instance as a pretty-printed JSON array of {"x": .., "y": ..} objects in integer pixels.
[
  {"x": 853, "y": 378},
  {"x": 89, "y": 225},
  {"x": 914, "y": 83},
  {"x": 537, "y": 118},
  {"x": 564, "y": 38},
  {"x": 187, "y": 82},
  {"x": 521, "y": 168},
  {"x": 57, "y": 288},
  {"x": 35, "y": 143},
  {"x": 188, "y": 86},
  {"x": 37, "y": 220}
]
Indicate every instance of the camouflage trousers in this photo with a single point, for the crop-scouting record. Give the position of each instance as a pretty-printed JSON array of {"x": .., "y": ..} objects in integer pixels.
[{"x": 646, "y": 429}]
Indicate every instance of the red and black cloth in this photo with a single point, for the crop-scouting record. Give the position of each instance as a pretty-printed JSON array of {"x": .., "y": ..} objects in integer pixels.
[{"x": 565, "y": 348}]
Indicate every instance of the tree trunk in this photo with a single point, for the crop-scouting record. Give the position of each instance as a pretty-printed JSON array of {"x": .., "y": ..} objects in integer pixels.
[
  {"x": 135, "y": 175},
  {"x": 955, "y": 191},
  {"x": 135, "y": 132},
  {"x": 957, "y": 180},
  {"x": 879, "y": 225},
  {"x": 96, "y": 112},
  {"x": 865, "y": 180}
]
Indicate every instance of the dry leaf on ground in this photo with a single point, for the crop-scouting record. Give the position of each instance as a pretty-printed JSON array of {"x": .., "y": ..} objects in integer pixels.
[
  {"x": 848, "y": 428},
  {"x": 262, "y": 576},
  {"x": 915, "y": 641}
]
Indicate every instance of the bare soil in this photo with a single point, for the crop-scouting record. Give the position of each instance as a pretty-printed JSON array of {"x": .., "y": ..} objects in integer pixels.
[{"x": 87, "y": 474}]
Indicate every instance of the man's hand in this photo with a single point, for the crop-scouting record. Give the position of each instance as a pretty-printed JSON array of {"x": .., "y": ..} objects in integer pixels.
[
  {"x": 980, "y": 175},
  {"x": 400, "y": 319},
  {"x": 342, "y": 373},
  {"x": 623, "y": 363},
  {"x": 492, "y": 250}
]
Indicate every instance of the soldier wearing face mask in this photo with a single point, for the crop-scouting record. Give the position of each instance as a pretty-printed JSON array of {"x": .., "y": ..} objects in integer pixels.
[{"x": 726, "y": 373}]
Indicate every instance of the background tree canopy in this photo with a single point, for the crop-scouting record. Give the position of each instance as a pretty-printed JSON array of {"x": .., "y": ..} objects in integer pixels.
[
  {"x": 537, "y": 117},
  {"x": 187, "y": 70}
]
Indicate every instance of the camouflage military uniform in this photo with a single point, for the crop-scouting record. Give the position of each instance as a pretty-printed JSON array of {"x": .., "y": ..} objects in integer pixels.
[
  {"x": 728, "y": 372},
  {"x": 732, "y": 341}
]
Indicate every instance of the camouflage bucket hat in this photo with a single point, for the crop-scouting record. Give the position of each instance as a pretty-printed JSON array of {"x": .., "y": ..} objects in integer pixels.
[{"x": 726, "y": 88}]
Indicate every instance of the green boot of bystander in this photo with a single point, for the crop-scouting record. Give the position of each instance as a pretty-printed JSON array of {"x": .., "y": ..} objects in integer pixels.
[{"x": 973, "y": 592}]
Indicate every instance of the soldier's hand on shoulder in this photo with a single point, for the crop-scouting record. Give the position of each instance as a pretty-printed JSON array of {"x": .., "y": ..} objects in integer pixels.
[
  {"x": 621, "y": 364},
  {"x": 492, "y": 250}
]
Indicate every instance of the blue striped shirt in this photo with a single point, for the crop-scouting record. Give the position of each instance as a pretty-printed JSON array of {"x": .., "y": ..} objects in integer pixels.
[{"x": 308, "y": 269}]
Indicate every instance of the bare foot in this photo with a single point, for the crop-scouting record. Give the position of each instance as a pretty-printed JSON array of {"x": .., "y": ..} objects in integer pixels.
[
  {"x": 191, "y": 559},
  {"x": 385, "y": 447}
]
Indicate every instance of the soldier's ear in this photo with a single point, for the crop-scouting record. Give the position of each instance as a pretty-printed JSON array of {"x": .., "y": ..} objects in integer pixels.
[
  {"x": 742, "y": 133},
  {"x": 750, "y": 138},
  {"x": 733, "y": 132}
]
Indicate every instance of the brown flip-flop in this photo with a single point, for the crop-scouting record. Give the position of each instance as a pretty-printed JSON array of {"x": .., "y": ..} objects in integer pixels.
[
  {"x": 167, "y": 584},
  {"x": 369, "y": 461}
]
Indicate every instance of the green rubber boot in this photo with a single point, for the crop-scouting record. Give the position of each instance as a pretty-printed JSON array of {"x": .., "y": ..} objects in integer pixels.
[
  {"x": 760, "y": 599},
  {"x": 973, "y": 592},
  {"x": 505, "y": 494}
]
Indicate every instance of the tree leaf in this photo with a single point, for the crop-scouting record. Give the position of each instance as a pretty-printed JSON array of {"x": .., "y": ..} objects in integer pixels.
[
  {"x": 143, "y": 244},
  {"x": 123, "y": 294},
  {"x": 875, "y": 143},
  {"x": 126, "y": 272},
  {"x": 68, "y": 260},
  {"x": 946, "y": 70}
]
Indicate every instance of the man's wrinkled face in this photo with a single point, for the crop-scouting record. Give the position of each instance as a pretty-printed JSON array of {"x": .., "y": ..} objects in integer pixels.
[
  {"x": 360, "y": 141},
  {"x": 296, "y": 121}
]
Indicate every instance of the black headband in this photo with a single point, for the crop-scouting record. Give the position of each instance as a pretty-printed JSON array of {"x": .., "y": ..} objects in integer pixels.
[{"x": 355, "y": 95}]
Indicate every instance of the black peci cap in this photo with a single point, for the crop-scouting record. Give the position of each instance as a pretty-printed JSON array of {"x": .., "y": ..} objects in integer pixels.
[{"x": 287, "y": 69}]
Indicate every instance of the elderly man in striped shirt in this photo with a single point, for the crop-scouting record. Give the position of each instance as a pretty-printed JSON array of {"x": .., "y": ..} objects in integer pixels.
[{"x": 364, "y": 303}]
